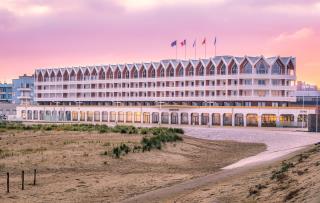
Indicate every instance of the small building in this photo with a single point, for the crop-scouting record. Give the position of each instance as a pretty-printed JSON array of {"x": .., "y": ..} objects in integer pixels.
[
  {"x": 307, "y": 95},
  {"x": 23, "y": 90},
  {"x": 8, "y": 110},
  {"x": 5, "y": 93}
]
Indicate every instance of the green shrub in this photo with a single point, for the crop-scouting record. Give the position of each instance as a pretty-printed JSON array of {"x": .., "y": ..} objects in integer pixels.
[
  {"x": 279, "y": 175},
  {"x": 116, "y": 152}
]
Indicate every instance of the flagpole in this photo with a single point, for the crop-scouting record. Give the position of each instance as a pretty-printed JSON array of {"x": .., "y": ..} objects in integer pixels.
[
  {"x": 185, "y": 50},
  {"x": 195, "y": 51},
  {"x": 176, "y": 51},
  {"x": 205, "y": 50},
  {"x": 215, "y": 49}
]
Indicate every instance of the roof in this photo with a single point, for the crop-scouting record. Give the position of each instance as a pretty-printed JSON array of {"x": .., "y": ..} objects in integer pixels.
[{"x": 175, "y": 62}]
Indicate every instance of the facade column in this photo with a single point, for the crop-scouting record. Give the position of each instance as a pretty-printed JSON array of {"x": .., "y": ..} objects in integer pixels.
[
  {"x": 295, "y": 121},
  {"x": 221, "y": 119},
  {"x": 169, "y": 118},
  {"x": 200, "y": 118},
  {"x": 259, "y": 120},
  {"x": 210, "y": 119},
  {"x": 233, "y": 120},
  {"x": 142, "y": 118},
  {"x": 189, "y": 118},
  {"x": 244, "y": 120},
  {"x": 278, "y": 121},
  {"x": 100, "y": 116},
  {"x": 79, "y": 115}
]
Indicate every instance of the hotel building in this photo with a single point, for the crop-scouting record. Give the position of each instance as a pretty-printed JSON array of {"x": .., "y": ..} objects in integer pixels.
[{"x": 219, "y": 91}]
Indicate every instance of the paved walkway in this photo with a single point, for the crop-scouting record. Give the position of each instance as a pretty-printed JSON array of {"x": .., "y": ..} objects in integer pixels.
[{"x": 279, "y": 141}]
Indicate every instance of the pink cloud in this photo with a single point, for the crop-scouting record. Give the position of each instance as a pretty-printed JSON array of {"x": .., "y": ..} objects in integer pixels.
[{"x": 105, "y": 31}]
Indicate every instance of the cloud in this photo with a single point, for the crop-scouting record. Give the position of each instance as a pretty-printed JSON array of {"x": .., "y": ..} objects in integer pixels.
[
  {"x": 297, "y": 35},
  {"x": 134, "y": 5},
  {"x": 24, "y": 8}
]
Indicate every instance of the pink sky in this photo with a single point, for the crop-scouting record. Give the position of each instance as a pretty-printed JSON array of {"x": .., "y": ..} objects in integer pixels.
[{"x": 44, "y": 33}]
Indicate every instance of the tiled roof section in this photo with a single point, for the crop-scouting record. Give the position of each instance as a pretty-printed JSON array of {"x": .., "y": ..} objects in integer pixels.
[
  {"x": 285, "y": 60},
  {"x": 253, "y": 60},
  {"x": 227, "y": 59},
  {"x": 239, "y": 59},
  {"x": 216, "y": 60},
  {"x": 271, "y": 60}
]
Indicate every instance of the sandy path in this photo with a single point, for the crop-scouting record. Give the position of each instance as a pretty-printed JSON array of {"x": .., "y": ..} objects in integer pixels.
[{"x": 280, "y": 142}]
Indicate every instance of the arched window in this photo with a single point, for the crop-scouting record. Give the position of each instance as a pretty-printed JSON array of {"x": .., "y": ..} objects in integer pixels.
[
  {"x": 212, "y": 70},
  {"x": 180, "y": 72},
  {"x": 144, "y": 73},
  {"x": 118, "y": 74},
  {"x": 170, "y": 72},
  {"x": 153, "y": 73},
  {"x": 247, "y": 68},
  {"x": 162, "y": 72},
  {"x": 276, "y": 69},
  {"x": 72, "y": 76},
  {"x": 127, "y": 74},
  {"x": 223, "y": 69},
  {"x": 262, "y": 67},
  {"x": 201, "y": 71},
  {"x": 234, "y": 69},
  {"x": 191, "y": 71},
  {"x": 135, "y": 73}
]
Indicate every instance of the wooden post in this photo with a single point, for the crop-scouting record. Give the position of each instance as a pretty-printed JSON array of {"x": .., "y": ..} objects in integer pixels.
[
  {"x": 34, "y": 176},
  {"x": 22, "y": 180},
  {"x": 7, "y": 182}
]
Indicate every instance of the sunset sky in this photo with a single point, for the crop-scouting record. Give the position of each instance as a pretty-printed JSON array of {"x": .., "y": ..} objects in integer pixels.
[{"x": 59, "y": 33}]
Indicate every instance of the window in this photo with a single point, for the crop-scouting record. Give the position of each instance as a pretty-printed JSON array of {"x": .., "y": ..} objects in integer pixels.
[
  {"x": 135, "y": 73},
  {"x": 261, "y": 82},
  {"x": 118, "y": 74},
  {"x": 276, "y": 68},
  {"x": 162, "y": 72},
  {"x": 275, "y": 82},
  {"x": 262, "y": 67},
  {"x": 153, "y": 73},
  {"x": 223, "y": 69},
  {"x": 234, "y": 69},
  {"x": 181, "y": 71},
  {"x": 127, "y": 74},
  {"x": 212, "y": 69},
  {"x": 191, "y": 72},
  {"x": 201, "y": 72},
  {"x": 171, "y": 72},
  {"x": 248, "y": 82},
  {"x": 144, "y": 73},
  {"x": 247, "y": 69}
]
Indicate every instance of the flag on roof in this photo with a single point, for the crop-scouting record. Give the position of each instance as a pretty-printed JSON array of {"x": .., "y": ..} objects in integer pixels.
[
  {"x": 183, "y": 43},
  {"x": 204, "y": 41},
  {"x": 215, "y": 41},
  {"x": 174, "y": 43},
  {"x": 194, "y": 43}
]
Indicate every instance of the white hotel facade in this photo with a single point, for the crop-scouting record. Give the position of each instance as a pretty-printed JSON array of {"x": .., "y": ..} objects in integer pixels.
[{"x": 219, "y": 91}]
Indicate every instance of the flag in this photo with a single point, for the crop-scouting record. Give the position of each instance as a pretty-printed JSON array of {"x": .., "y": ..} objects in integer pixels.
[
  {"x": 183, "y": 43},
  {"x": 215, "y": 41},
  {"x": 194, "y": 43},
  {"x": 174, "y": 43},
  {"x": 204, "y": 41}
]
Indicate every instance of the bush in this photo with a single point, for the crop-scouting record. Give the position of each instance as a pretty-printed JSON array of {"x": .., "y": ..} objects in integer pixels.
[{"x": 279, "y": 175}]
